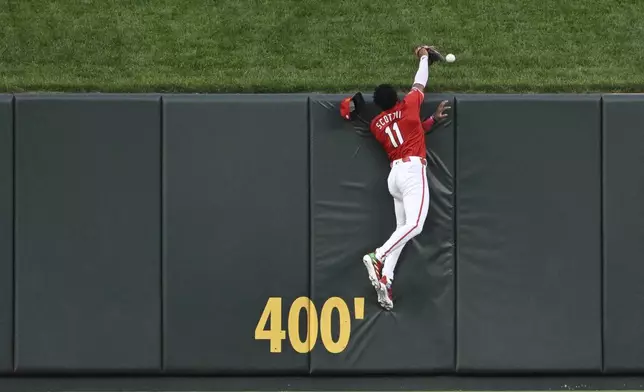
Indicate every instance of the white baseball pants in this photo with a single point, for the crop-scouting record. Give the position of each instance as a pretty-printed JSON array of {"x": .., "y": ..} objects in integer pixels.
[{"x": 407, "y": 184}]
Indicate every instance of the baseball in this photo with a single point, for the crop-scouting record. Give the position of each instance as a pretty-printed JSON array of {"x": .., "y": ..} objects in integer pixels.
[{"x": 450, "y": 58}]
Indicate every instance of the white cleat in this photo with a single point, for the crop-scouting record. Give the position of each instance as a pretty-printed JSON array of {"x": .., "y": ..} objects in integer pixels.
[
  {"x": 385, "y": 297},
  {"x": 373, "y": 269}
]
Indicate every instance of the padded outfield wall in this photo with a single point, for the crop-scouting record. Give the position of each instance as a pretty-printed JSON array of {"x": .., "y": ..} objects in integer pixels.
[{"x": 223, "y": 234}]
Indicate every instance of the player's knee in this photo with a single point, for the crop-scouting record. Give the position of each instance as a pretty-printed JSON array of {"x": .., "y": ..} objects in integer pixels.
[
  {"x": 419, "y": 226},
  {"x": 416, "y": 230}
]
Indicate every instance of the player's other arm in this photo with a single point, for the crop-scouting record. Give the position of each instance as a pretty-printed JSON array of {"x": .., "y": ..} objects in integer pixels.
[
  {"x": 429, "y": 123},
  {"x": 438, "y": 115}
]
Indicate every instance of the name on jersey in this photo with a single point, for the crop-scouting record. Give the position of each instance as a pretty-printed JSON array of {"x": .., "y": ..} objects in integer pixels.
[{"x": 386, "y": 119}]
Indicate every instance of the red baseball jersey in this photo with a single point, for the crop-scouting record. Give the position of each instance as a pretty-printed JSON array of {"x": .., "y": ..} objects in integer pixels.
[{"x": 399, "y": 130}]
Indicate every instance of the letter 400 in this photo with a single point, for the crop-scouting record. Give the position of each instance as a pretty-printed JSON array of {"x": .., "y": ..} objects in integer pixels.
[{"x": 321, "y": 325}]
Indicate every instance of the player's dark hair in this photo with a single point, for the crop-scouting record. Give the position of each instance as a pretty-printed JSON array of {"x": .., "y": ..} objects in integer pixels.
[{"x": 385, "y": 96}]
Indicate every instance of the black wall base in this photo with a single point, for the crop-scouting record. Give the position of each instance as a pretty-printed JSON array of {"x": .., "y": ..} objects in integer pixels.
[{"x": 438, "y": 383}]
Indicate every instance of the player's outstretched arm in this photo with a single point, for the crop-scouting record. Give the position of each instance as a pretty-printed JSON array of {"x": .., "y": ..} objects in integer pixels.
[{"x": 420, "y": 80}]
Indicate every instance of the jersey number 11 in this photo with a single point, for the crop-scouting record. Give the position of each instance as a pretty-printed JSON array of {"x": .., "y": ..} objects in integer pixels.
[{"x": 391, "y": 136}]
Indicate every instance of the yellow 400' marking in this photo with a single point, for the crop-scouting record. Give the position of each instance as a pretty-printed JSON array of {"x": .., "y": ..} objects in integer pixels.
[{"x": 275, "y": 334}]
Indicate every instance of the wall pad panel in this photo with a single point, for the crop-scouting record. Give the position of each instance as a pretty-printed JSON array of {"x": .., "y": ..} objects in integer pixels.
[
  {"x": 352, "y": 213},
  {"x": 88, "y": 233},
  {"x": 6, "y": 233},
  {"x": 236, "y": 215},
  {"x": 623, "y": 136},
  {"x": 528, "y": 239}
]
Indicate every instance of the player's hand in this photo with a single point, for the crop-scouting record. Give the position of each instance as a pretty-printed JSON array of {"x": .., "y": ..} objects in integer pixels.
[
  {"x": 421, "y": 51},
  {"x": 440, "y": 111}
]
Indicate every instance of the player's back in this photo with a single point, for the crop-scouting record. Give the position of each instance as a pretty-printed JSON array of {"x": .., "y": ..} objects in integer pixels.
[{"x": 399, "y": 129}]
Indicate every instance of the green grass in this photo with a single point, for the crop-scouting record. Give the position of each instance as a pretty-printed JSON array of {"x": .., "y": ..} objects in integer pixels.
[{"x": 319, "y": 45}]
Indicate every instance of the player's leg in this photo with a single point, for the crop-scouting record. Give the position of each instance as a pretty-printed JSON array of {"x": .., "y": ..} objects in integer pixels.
[
  {"x": 413, "y": 185},
  {"x": 383, "y": 285},
  {"x": 390, "y": 264},
  {"x": 416, "y": 204},
  {"x": 392, "y": 259},
  {"x": 374, "y": 265},
  {"x": 384, "y": 288}
]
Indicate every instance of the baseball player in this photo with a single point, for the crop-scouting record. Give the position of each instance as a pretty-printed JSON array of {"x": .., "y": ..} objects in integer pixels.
[{"x": 401, "y": 132}]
